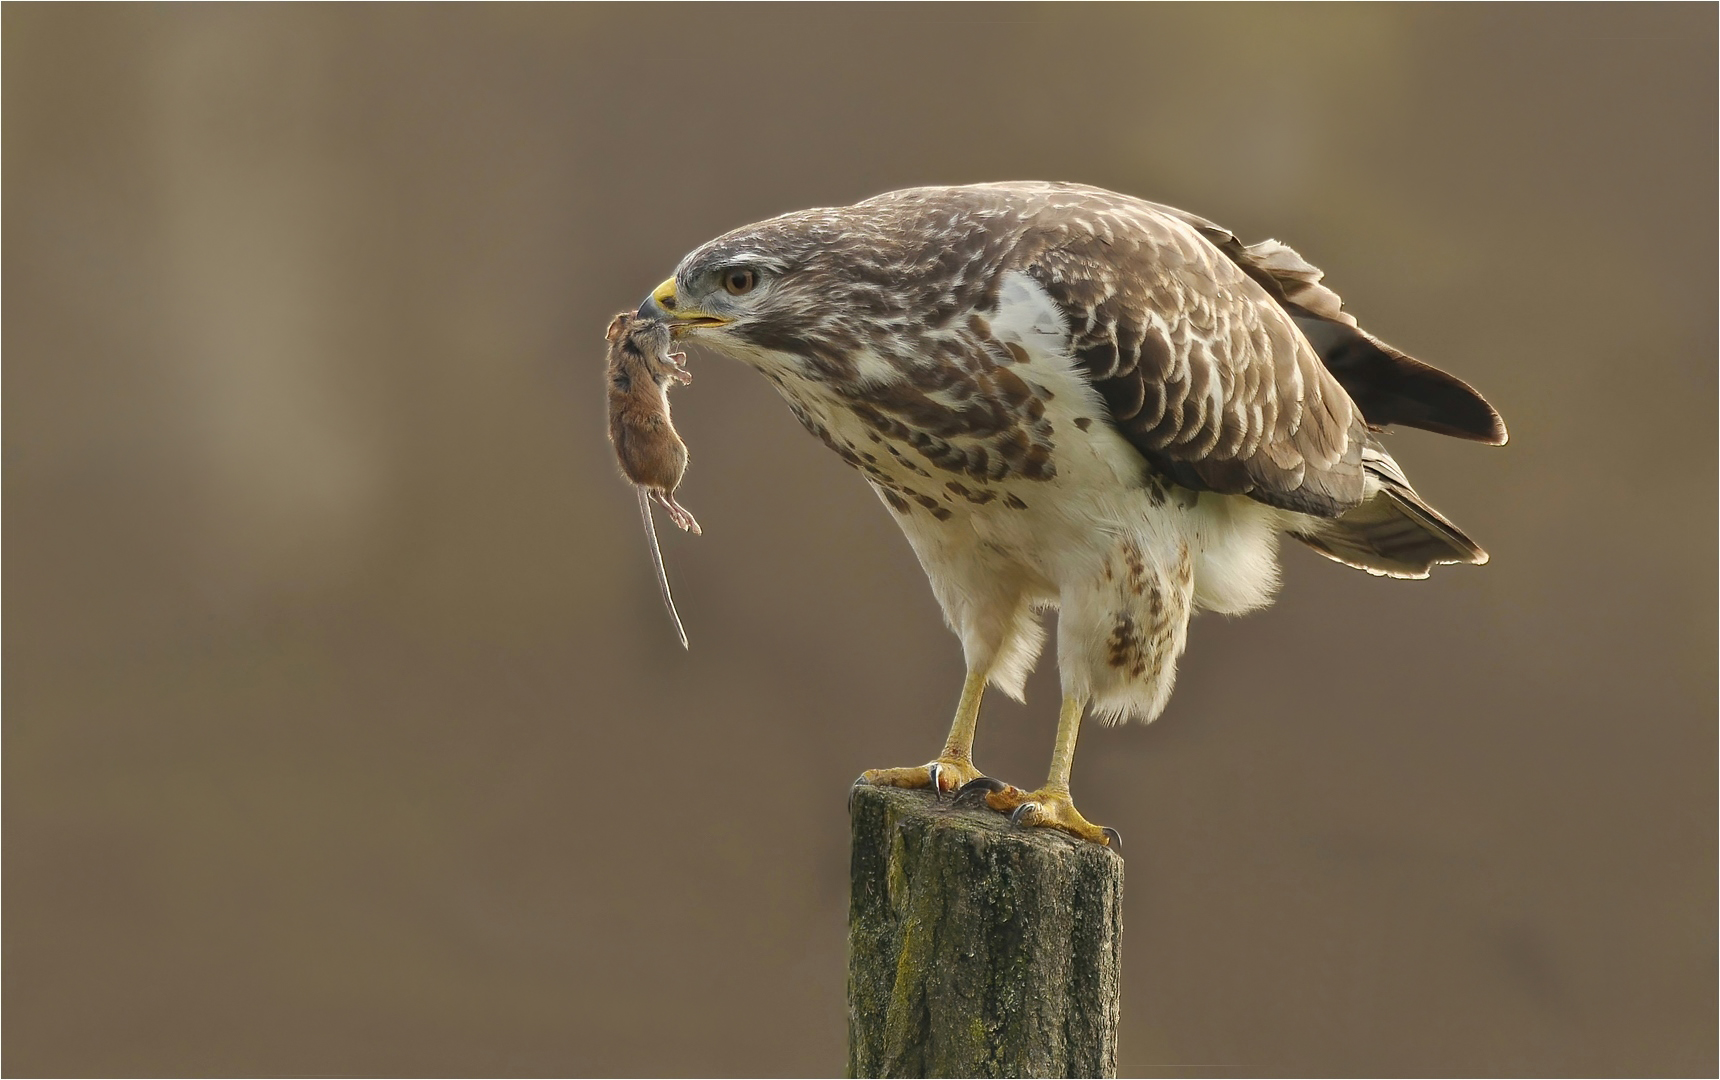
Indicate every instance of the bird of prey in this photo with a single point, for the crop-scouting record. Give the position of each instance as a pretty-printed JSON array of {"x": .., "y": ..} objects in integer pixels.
[{"x": 1069, "y": 398}]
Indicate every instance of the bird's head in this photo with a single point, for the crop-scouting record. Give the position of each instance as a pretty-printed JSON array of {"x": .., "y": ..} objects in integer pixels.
[
  {"x": 788, "y": 286},
  {"x": 743, "y": 288}
]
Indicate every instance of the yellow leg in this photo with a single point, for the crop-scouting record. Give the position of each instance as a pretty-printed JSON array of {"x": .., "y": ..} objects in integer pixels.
[
  {"x": 954, "y": 767},
  {"x": 959, "y": 746},
  {"x": 1052, "y": 805},
  {"x": 1063, "y": 754}
]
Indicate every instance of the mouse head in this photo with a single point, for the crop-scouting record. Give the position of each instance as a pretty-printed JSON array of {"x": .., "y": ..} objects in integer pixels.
[{"x": 647, "y": 339}]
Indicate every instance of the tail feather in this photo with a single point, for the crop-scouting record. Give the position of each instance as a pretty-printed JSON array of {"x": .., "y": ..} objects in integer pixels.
[{"x": 1393, "y": 533}]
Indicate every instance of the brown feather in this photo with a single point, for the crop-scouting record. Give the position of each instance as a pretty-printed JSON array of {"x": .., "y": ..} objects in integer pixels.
[{"x": 1389, "y": 386}]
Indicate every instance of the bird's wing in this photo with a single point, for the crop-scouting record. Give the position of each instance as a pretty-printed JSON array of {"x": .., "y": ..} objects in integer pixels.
[
  {"x": 1387, "y": 384},
  {"x": 1204, "y": 371}
]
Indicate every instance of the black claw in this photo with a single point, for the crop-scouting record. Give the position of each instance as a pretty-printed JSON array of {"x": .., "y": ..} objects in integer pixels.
[
  {"x": 980, "y": 783},
  {"x": 1116, "y": 837},
  {"x": 935, "y": 771},
  {"x": 859, "y": 782},
  {"x": 1021, "y": 811}
]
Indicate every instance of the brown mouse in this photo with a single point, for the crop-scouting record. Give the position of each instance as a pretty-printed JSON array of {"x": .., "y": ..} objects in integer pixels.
[
  {"x": 650, "y": 452},
  {"x": 641, "y": 368}
]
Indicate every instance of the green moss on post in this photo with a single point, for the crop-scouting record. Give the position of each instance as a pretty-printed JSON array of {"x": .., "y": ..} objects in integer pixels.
[{"x": 975, "y": 948}]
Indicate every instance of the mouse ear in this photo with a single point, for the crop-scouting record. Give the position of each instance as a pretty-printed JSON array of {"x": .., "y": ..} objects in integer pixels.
[{"x": 617, "y": 325}]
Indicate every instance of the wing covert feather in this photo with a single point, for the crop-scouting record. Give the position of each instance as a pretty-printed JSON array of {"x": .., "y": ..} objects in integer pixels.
[
  {"x": 1203, "y": 369},
  {"x": 1388, "y": 385}
]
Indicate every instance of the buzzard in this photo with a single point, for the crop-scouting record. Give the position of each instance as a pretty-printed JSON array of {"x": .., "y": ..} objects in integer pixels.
[{"x": 1074, "y": 399}]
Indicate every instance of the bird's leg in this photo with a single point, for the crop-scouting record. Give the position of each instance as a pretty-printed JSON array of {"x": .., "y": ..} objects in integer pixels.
[
  {"x": 1052, "y": 805},
  {"x": 952, "y": 768}
]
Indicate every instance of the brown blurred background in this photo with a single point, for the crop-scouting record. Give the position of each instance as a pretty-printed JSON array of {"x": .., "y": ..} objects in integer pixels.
[{"x": 345, "y": 732}]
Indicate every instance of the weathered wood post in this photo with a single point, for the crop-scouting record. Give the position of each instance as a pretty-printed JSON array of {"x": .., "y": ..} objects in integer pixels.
[{"x": 976, "y": 948}]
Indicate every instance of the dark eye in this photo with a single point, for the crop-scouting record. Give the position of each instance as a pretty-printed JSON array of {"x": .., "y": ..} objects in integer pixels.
[{"x": 739, "y": 280}]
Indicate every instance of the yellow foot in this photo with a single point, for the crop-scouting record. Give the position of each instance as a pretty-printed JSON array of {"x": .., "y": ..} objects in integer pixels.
[
  {"x": 946, "y": 774},
  {"x": 1052, "y": 808}
]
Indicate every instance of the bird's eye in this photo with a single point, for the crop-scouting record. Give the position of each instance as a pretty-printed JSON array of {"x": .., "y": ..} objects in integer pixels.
[{"x": 739, "y": 280}]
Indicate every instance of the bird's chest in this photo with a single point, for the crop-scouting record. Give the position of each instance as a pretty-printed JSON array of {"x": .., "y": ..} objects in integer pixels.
[
  {"x": 1018, "y": 462},
  {"x": 941, "y": 455}
]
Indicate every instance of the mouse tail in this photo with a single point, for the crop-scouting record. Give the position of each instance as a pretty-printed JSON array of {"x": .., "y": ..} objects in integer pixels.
[{"x": 657, "y": 562}]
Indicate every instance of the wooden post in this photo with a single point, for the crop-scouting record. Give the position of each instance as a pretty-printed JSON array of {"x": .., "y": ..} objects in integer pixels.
[{"x": 976, "y": 948}]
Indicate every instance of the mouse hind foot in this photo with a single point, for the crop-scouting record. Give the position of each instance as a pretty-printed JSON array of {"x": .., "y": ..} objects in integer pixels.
[{"x": 677, "y": 513}]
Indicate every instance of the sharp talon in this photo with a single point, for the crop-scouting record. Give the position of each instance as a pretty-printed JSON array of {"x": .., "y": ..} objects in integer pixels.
[
  {"x": 1115, "y": 837},
  {"x": 980, "y": 783},
  {"x": 935, "y": 770},
  {"x": 859, "y": 782},
  {"x": 1021, "y": 811}
]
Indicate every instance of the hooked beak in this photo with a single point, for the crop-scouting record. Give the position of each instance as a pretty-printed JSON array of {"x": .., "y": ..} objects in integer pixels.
[{"x": 663, "y": 305}]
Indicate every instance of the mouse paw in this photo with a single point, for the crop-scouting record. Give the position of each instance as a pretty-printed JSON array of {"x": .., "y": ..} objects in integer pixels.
[{"x": 678, "y": 514}]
